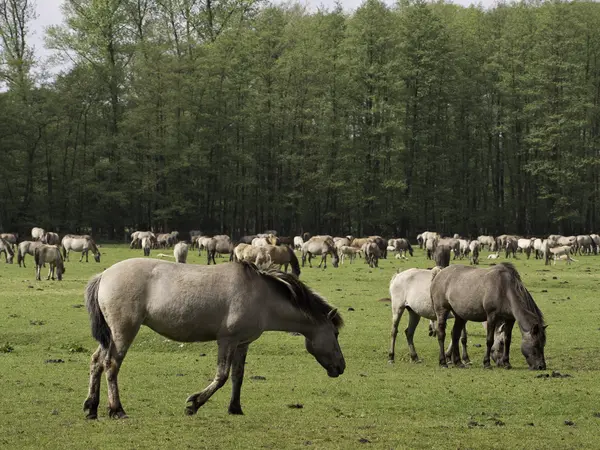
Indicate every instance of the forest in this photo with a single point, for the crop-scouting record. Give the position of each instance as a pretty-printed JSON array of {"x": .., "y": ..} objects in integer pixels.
[{"x": 235, "y": 116}]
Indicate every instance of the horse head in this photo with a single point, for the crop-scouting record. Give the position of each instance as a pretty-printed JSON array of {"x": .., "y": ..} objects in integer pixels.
[
  {"x": 532, "y": 346},
  {"x": 323, "y": 344}
]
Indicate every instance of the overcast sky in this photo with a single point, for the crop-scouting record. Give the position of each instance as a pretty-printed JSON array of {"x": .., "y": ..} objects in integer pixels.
[{"x": 49, "y": 13}]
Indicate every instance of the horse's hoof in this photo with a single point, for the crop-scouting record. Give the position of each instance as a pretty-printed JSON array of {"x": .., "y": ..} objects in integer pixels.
[
  {"x": 460, "y": 365},
  {"x": 487, "y": 366},
  {"x": 236, "y": 411},
  {"x": 92, "y": 416},
  {"x": 117, "y": 413},
  {"x": 467, "y": 361},
  {"x": 507, "y": 366},
  {"x": 443, "y": 366},
  {"x": 190, "y": 410}
]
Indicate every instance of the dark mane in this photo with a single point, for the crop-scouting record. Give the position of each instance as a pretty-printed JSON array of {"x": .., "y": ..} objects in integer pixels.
[
  {"x": 298, "y": 294},
  {"x": 523, "y": 294}
]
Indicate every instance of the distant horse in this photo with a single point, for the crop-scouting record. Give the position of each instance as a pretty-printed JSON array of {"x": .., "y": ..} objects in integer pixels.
[
  {"x": 219, "y": 244},
  {"x": 137, "y": 236},
  {"x": 37, "y": 233},
  {"x": 347, "y": 251},
  {"x": 320, "y": 246},
  {"x": 441, "y": 255},
  {"x": 24, "y": 248},
  {"x": 372, "y": 254},
  {"x": 526, "y": 246},
  {"x": 511, "y": 245},
  {"x": 247, "y": 239},
  {"x": 257, "y": 255},
  {"x": 298, "y": 241},
  {"x": 146, "y": 245},
  {"x": 7, "y": 248},
  {"x": 81, "y": 244},
  {"x": 402, "y": 246},
  {"x": 474, "y": 251},
  {"x": 283, "y": 255},
  {"x": 231, "y": 303},
  {"x": 51, "y": 238},
  {"x": 180, "y": 252},
  {"x": 48, "y": 254},
  {"x": 487, "y": 240},
  {"x": 11, "y": 238},
  {"x": 430, "y": 246},
  {"x": 494, "y": 295}
]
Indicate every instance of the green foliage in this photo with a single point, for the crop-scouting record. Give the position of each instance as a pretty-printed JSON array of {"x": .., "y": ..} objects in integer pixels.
[{"x": 234, "y": 116}]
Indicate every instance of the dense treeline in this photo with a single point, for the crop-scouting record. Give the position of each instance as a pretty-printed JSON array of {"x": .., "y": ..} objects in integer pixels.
[{"x": 235, "y": 116}]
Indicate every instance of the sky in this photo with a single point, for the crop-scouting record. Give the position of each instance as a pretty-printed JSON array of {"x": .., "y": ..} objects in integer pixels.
[{"x": 48, "y": 13}]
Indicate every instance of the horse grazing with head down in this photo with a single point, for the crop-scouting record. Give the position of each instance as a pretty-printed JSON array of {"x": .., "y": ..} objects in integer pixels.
[
  {"x": 232, "y": 303},
  {"x": 320, "y": 245},
  {"x": 494, "y": 295},
  {"x": 83, "y": 244},
  {"x": 7, "y": 248},
  {"x": 48, "y": 254}
]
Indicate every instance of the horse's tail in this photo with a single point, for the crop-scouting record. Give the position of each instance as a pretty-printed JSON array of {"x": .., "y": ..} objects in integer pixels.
[
  {"x": 100, "y": 330},
  {"x": 20, "y": 256},
  {"x": 37, "y": 257},
  {"x": 594, "y": 246},
  {"x": 410, "y": 249},
  {"x": 294, "y": 262},
  {"x": 64, "y": 249}
]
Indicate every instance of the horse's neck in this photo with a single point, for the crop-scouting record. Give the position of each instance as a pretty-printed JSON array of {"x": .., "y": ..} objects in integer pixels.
[
  {"x": 281, "y": 315},
  {"x": 525, "y": 319}
]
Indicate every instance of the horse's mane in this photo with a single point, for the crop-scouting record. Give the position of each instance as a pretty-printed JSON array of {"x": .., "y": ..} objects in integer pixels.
[
  {"x": 523, "y": 294},
  {"x": 298, "y": 294}
]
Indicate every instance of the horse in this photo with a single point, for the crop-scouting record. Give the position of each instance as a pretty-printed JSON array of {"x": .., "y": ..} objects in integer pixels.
[
  {"x": 137, "y": 236},
  {"x": 410, "y": 290},
  {"x": 402, "y": 246},
  {"x": 7, "y": 248},
  {"x": 50, "y": 238},
  {"x": 24, "y": 248},
  {"x": 320, "y": 246},
  {"x": 559, "y": 252},
  {"x": 441, "y": 255},
  {"x": 48, "y": 254},
  {"x": 146, "y": 245},
  {"x": 81, "y": 244},
  {"x": 219, "y": 244},
  {"x": 586, "y": 245},
  {"x": 464, "y": 248},
  {"x": 284, "y": 255},
  {"x": 526, "y": 246},
  {"x": 474, "y": 250},
  {"x": 298, "y": 242},
  {"x": 351, "y": 252},
  {"x": 487, "y": 240},
  {"x": 247, "y": 239},
  {"x": 511, "y": 245},
  {"x": 180, "y": 251},
  {"x": 194, "y": 234},
  {"x": 11, "y": 238},
  {"x": 232, "y": 303},
  {"x": 37, "y": 233},
  {"x": 372, "y": 254},
  {"x": 430, "y": 246},
  {"x": 454, "y": 245},
  {"x": 494, "y": 295},
  {"x": 202, "y": 242}
]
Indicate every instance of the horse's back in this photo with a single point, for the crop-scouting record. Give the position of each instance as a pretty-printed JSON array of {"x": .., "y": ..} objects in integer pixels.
[
  {"x": 411, "y": 288},
  {"x": 182, "y": 302}
]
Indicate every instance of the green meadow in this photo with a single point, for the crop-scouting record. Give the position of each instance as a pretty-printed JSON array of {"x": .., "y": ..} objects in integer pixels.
[{"x": 288, "y": 400}]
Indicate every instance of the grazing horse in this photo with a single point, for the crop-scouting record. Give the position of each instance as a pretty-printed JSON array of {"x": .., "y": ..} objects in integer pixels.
[
  {"x": 51, "y": 238},
  {"x": 146, "y": 245},
  {"x": 231, "y": 303},
  {"x": 24, "y": 248},
  {"x": 219, "y": 244},
  {"x": 298, "y": 241},
  {"x": 11, "y": 238},
  {"x": 180, "y": 252},
  {"x": 430, "y": 245},
  {"x": 81, "y": 244},
  {"x": 474, "y": 251},
  {"x": 441, "y": 255},
  {"x": 137, "y": 236},
  {"x": 402, "y": 246},
  {"x": 526, "y": 246},
  {"x": 48, "y": 254},
  {"x": 372, "y": 254},
  {"x": 494, "y": 295},
  {"x": 9, "y": 253},
  {"x": 323, "y": 246},
  {"x": 284, "y": 255},
  {"x": 487, "y": 240},
  {"x": 37, "y": 233}
]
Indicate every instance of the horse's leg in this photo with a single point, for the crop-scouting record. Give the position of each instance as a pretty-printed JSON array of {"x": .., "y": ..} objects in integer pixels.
[
  {"x": 459, "y": 326},
  {"x": 225, "y": 358},
  {"x": 50, "y": 272},
  {"x": 323, "y": 256},
  {"x": 396, "y": 316},
  {"x": 463, "y": 341},
  {"x": 432, "y": 327},
  {"x": 93, "y": 399},
  {"x": 303, "y": 258},
  {"x": 491, "y": 328},
  {"x": 81, "y": 259},
  {"x": 237, "y": 377},
  {"x": 37, "y": 272},
  {"x": 441, "y": 334},
  {"x": 86, "y": 255},
  {"x": 113, "y": 358},
  {"x": 413, "y": 321},
  {"x": 508, "y": 327}
]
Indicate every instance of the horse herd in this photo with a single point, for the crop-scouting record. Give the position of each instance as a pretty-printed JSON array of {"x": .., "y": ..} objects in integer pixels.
[
  {"x": 45, "y": 247},
  {"x": 235, "y": 303}
]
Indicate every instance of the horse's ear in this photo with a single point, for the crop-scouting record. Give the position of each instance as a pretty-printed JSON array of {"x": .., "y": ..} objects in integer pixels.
[
  {"x": 545, "y": 326},
  {"x": 332, "y": 314}
]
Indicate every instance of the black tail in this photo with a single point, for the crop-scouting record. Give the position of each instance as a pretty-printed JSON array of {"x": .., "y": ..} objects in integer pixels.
[
  {"x": 100, "y": 330},
  {"x": 64, "y": 253},
  {"x": 294, "y": 262},
  {"x": 20, "y": 257},
  {"x": 36, "y": 256}
]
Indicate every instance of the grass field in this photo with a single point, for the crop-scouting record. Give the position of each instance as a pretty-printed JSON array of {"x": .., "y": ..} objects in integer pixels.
[{"x": 373, "y": 404}]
